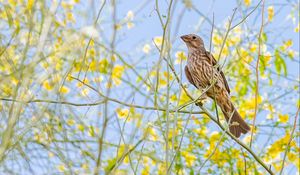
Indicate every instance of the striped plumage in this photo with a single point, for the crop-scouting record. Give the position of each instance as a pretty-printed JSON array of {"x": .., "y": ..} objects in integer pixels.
[{"x": 202, "y": 71}]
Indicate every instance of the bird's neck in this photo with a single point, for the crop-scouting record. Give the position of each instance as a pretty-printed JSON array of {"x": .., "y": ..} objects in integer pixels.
[{"x": 196, "y": 49}]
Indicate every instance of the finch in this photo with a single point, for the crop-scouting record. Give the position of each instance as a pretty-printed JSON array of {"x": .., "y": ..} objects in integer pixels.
[{"x": 203, "y": 72}]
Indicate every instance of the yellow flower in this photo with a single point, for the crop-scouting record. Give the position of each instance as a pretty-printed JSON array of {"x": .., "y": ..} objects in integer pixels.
[
  {"x": 201, "y": 131},
  {"x": 247, "y": 2},
  {"x": 80, "y": 127},
  {"x": 162, "y": 83},
  {"x": 151, "y": 132},
  {"x": 50, "y": 154},
  {"x": 64, "y": 90},
  {"x": 270, "y": 13},
  {"x": 250, "y": 104},
  {"x": 287, "y": 43},
  {"x": 85, "y": 166},
  {"x": 61, "y": 168},
  {"x": 47, "y": 85},
  {"x": 85, "y": 91},
  {"x": 122, "y": 113},
  {"x": 117, "y": 73},
  {"x": 130, "y": 25},
  {"x": 84, "y": 81},
  {"x": 183, "y": 98},
  {"x": 30, "y": 4},
  {"x": 217, "y": 39},
  {"x": 146, "y": 170},
  {"x": 70, "y": 122},
  {"x": 283, "y": 118},
  {"x": 146, "y": 48},
  {"x": 215, "y": 136},
  {"x": 189, "y": 158},
  {"x": 291, "y": 156},
  {"x": 103, "y": 64},
  {"x": 253, "y": 47},
  {"x": 173, "y": 98},
  {"x": 162, "y": 169},
  {"x": 158, "y": 41},
  {"x": 70, "y": 17},
  {"x": 270, "y": 116},
  {"x": 180, "y": 56}
]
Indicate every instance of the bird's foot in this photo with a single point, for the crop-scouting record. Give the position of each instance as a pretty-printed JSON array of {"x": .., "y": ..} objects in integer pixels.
[{"x": 199, "y": 102}]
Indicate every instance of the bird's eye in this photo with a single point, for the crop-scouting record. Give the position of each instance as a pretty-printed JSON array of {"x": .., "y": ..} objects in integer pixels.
[{"x": 194, "y": 37}]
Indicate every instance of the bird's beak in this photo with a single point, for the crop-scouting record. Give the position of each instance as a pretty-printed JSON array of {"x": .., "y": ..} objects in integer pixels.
[{"x": 184, "y": 38}]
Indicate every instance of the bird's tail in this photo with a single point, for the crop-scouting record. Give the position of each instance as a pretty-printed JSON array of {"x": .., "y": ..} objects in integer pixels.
[{"x": 237, "y": 124}]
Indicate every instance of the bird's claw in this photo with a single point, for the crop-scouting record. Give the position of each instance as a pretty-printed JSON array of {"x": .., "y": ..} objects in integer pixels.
[{"x": 199, "y": 101}]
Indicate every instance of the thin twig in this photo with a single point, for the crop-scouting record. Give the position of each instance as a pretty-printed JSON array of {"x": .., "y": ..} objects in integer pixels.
[
  {"x": 290, "y": 140},
  {"x": 257, "y": 73}
]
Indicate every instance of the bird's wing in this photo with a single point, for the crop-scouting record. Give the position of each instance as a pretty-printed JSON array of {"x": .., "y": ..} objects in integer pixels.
[
  {"x": 189, "y": 76},
  {"x": 214, "y": 62}
]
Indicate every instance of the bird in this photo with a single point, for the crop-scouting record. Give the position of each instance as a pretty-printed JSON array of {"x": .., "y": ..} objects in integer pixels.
[{"x": 203, "y": 72}]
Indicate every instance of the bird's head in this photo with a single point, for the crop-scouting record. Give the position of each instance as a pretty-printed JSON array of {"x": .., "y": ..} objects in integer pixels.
[{"x": 193, "y": 41}]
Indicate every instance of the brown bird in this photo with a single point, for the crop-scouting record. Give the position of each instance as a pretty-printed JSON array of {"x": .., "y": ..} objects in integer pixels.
[{"x": 203, "y": 72}]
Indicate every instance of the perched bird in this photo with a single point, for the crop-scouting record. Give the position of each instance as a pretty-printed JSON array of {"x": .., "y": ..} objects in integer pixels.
[{"x": 203, "y": 72}]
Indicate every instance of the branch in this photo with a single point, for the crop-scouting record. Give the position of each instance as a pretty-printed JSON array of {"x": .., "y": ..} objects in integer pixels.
[
  {"x": 291, "y": 138},
  {"x": 257, "y": 73}
]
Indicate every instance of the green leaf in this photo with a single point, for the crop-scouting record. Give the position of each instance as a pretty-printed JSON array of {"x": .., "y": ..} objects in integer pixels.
[
  {"x": 264, "y": 37},
  {"x": 280, "y": 63}
]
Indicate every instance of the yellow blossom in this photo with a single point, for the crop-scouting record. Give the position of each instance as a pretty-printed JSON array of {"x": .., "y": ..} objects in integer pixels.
[
  {"x": 103, "y": 64},
  {"x": 122, "y": 113},
  {"x": 47, "y": 85},
  {"x": 30, "y": 4},
  {"x": 61, "y": 168},
  {"x": 85, "y": 166},
  {"x": 250, "y": 104},
  {"x": 64, "y": 90},
  {"x": 146, "y": 48},
  {"x": 50, "y": 154},
  {"x": 215, "y": 136},
  {"x": 283, "y": 118},
  {"x": 270, "y": 13},
  {"x": 253, "y": 47},
  {"x": 84, "y": 81},
  {"x": 162, "y": 169},
  {"x": 70, "y": 122},
  {"x": 189, "y": 158},
  {"x": 85, "y": 91},
  {"x": 151, "y": 132},
  {"x": 158, "y": 41},
  {"x": 287, "y": 44},
  {"x": 117, "y": 73},
  {"x": 130, "y": 25},
  {"x": 183, "y": 98},
  {"x": 247, "y": 2},
  {"x": 146, "y": 170},
  {"x": 80, "y": 127},
  {"x": 180, "y": 56},
  {"x": 173, "y": 98},
  {"x": 70, "y": 17},
  {"x": 217, "y": 39}
]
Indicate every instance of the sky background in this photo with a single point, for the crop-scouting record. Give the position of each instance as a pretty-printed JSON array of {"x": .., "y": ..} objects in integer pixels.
[{"x": 130, "y": 42}]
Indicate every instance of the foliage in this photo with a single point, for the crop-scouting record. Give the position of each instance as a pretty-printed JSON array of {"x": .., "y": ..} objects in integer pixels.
[{"x": 93, "y": 88}]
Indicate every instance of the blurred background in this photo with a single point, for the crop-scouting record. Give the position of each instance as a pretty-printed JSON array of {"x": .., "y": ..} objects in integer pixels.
[{"x": 98, "y": 87}]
